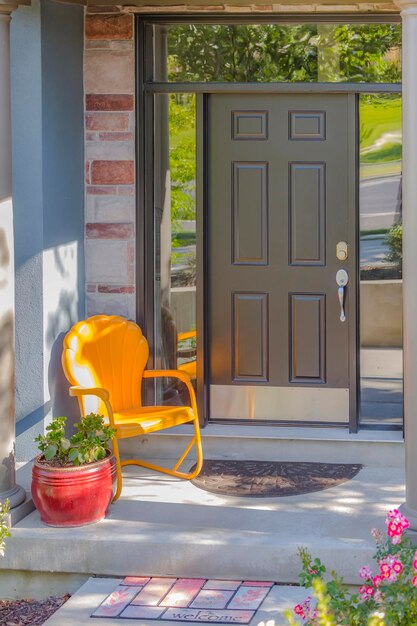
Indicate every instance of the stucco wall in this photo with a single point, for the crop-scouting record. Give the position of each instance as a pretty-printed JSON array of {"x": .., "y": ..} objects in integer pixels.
[{"x": 48, "y": 167}]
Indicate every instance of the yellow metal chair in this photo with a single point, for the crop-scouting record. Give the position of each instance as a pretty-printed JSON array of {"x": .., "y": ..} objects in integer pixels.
[
  {"x": 190, "y": 367},
  {"x": 171, "y": 341},
  {"x": 104, "y": 359}
]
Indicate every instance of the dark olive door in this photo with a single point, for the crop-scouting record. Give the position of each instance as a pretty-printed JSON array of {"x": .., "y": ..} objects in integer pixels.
[{"x": 280, "y": 210}]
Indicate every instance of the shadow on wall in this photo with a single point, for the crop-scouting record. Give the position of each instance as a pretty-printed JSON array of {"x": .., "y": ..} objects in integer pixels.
[
  {"x": 61, "y": 402},
  {"x": 60, "y": 314},
  {"x": 6, "y": 400},
  {"x": 64, "y": 317}
]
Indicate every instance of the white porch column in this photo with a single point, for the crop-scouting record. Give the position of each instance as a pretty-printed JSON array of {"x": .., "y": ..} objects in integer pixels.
[
  {"x": 8, "y": 488},
  {"x": 409, "y": 197}
]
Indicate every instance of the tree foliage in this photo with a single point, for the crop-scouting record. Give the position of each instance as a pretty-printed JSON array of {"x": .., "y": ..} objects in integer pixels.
[
  {"x": 274, "y": 52},
  {"x": 182, "y": 156}
]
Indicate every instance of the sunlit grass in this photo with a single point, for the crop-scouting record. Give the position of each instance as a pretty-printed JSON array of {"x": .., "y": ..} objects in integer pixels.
[{"x": 379, "y": 116}]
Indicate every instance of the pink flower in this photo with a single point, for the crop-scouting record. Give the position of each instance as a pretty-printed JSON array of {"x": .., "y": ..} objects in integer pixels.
[
  {"x": 378, "y": 597},
  {"x": 394, "y": 529},
  {"x": 397, "y": 566},
  {"x": 385, "y": 570},
  {"x": 397, "y": 524},
  {"x": 377, "y": 580},
  {"x": 405, "y": 522},
  {"x": 298, "y": 610},
  {"x": 365, "y": 572},
  {"x": 366, "y": 592},
  {"x": 414, "y": 581},
  {"x": 313, "y": 571},
  {"x": 392, "y": 577}
]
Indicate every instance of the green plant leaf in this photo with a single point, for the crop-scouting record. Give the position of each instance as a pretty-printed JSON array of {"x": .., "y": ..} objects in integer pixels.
[
  {"x": 73, "y": 454},
  {"x": 50, "y": 452}
]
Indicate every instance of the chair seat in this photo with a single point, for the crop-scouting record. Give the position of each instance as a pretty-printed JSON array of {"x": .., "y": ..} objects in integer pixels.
[{"x": 147, "y": 419}]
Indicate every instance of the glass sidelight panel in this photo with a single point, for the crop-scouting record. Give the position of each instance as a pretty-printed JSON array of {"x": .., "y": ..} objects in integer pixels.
[
  {"x": 381, "y": 342},
  {"x": 175, "y": 242}
]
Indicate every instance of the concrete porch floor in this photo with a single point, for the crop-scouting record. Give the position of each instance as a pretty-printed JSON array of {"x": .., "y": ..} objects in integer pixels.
[
  {"x": 78, "y": 609},
  {"x": 164, "y": 526}
]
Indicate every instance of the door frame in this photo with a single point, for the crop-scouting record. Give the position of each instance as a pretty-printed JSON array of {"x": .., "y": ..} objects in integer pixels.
[{"x": 146, "y": 90}]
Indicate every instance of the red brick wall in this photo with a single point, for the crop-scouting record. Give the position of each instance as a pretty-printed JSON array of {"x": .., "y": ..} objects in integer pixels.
[{"x": 110, "y": 166}]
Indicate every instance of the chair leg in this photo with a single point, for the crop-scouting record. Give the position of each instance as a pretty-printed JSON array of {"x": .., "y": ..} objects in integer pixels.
[
  {"x": 196, "y": 440},
  {"x": 118, "y": 469}
]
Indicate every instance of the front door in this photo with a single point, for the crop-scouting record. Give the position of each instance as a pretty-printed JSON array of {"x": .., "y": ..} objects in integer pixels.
[{"x": 281, "y": 224}]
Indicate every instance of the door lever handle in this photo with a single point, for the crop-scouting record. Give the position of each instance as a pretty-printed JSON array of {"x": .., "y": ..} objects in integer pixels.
[
  {"x": 341, "y": 292},
  {"x": 342, "y": 280}
]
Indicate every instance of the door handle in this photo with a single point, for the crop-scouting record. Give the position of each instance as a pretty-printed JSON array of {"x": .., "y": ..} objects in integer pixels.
[{"x": 342, "y": 280}]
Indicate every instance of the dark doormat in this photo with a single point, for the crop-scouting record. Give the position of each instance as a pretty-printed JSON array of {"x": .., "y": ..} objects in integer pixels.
[{"x": 271, "y": 479}]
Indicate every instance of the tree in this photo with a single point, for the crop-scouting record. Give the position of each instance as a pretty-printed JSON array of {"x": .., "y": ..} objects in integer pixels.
[{"x": 282, "y": 52}]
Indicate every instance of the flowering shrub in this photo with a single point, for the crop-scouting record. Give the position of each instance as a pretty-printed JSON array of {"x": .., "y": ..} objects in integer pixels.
[
  {"x": 387, "y": 596},
  {"x": 4, "y": 527}
]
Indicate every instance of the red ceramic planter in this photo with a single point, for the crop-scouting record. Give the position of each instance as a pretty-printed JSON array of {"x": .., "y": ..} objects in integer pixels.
[{"x": 73, "y": 496}]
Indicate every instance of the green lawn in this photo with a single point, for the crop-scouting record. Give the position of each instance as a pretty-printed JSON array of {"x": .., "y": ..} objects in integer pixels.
[
  {"x": 380, "y": 136},
  {"x": 378, "y": 117}
]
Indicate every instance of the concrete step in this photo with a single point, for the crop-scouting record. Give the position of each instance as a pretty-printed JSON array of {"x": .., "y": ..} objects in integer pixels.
[
  {"x": 78, "y": 609},
  {"x": 374, "y": 448},
  {"x": 167, "y": 527}
]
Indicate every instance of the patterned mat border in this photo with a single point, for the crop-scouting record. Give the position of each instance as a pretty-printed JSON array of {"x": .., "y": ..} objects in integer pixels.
[
  {"x": 184, "y": 600},
  {"x": 254, "y": 479}
]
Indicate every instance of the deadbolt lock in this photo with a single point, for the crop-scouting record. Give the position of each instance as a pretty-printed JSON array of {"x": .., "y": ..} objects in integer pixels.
[{"x": 342, "y": 251}]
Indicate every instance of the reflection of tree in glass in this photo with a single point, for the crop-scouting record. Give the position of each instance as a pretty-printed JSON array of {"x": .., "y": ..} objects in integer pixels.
[
  {"x": 274, "y": 52},
  {"x": 182, "y": 156},
  {"x": 394, "y": 240}
]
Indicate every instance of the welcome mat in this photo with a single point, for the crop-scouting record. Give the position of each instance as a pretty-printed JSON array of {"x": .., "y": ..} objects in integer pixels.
[
  {"x": 185, "y": 600},
  {"x": 267, "y": 479}
]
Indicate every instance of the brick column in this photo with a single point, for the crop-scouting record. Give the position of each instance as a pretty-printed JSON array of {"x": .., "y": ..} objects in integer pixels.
[
  {"x": 110, "y": 169},
  {"x": 8, "y": 488}
]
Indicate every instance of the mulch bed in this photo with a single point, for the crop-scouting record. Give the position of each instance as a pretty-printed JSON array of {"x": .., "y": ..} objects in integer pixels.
[{"x": 29, "y": 612}]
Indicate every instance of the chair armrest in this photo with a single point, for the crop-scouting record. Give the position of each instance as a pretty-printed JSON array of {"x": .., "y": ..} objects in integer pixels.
[
  {"x": 182, "y": 376},
  {"x": 99, "y": 392},
  {"x": 187, "y": 335}
]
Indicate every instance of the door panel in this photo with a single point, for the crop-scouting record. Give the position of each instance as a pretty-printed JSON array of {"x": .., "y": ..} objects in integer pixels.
[
  {"x": 250, "y": 337},
  {"x": 278, "y": 203},
  {"x": 250, "y": 213},
  {"x": 308, "y": 338},
  {"x": 307, "y": 213}
]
